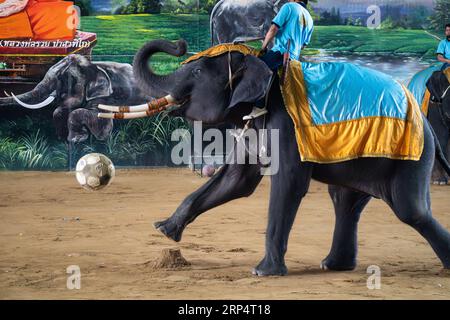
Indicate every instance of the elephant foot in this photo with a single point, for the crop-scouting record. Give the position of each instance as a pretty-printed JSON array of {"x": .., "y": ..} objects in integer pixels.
[
  {"x": 170, "y": 229},
  {"x": 440, "y": 182},
  {"x": 78, "y": 138},
  {"x": 266, "y": 268},
  {"x": 337, "y": 265}
]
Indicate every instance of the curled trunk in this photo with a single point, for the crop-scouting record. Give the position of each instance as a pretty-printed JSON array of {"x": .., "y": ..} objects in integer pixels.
[{"x": 156, "y": 85}]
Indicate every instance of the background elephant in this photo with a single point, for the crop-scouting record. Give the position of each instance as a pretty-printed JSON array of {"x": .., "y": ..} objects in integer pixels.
[
  {"x": 202, "y": 91},
  {"x": 232, "y": 19},
  {"x": 76, "y": 86},
  {"x": 439, "y": 117}
]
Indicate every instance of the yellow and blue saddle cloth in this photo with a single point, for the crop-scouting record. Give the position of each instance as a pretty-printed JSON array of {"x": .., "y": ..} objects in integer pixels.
[
  {"x": 342, "y": 111},
  {"x": 417, "y": 85}
]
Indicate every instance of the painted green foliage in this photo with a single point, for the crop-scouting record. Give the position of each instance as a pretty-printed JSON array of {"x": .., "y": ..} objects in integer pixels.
[
  {"x": 30, "y": 143},
  {"x": 147, "y": 141},
  {"x": 138, "y": 29},
  {"x": 441, "y": 15}
]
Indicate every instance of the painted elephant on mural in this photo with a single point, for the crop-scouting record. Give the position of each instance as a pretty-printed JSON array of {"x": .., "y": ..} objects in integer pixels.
[
  {"x": 234, "y": 19},
  {"x": 200, "y": 90},
  {"x": 75, "y": 86},
  {"x": 439, "y": 117}
]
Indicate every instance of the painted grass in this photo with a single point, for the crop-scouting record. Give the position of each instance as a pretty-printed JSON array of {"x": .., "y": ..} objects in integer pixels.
[
  {"x": 120, "y": 36},
  {"x": 363, "y": 40}
]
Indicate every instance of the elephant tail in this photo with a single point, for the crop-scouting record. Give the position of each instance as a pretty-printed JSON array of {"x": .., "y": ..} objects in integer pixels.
[{"x": 440, "y": 154}]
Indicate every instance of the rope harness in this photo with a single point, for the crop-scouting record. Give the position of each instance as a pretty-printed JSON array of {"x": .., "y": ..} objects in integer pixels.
[
  {"x": 231, "y": 75},
  {"x": 262, "y": 152},
  {"x": 445, "y": 93}
]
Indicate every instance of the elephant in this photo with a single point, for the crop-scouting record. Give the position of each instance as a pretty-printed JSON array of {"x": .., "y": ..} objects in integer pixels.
[
  {"x": 232, "y": 20},
  {"x": 439, "y": 117},
  {"x": 200, "y": 90},
  {"x": 76, "y": 86}
]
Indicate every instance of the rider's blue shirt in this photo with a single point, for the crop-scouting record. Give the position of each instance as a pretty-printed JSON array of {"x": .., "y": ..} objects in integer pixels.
[
  {"x": 444, "y": 48},
  {"x": 295, "y": 24}
]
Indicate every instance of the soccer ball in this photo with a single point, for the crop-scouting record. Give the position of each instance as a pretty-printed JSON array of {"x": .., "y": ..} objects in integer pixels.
[
  {"x": 208, "y": 170},
  {"x": 94, "y": 171}
]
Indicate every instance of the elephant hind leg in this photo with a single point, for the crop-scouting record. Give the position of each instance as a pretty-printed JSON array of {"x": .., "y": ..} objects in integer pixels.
[
  {"x": 417, "y": 214},
  {"x": 348, "y": 205},
  {"x": 409, "y": 197},
  {"x": 82, "y": 121},
  {"x": 410, "y": 200}
]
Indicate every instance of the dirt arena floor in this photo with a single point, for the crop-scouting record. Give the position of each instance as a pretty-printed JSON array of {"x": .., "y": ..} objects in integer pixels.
[{"x": 48, "y": 222}]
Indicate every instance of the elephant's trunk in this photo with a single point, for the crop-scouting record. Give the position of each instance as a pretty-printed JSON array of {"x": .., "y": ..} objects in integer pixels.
[
  {"x": 37, "y": 98},
  {"x": 43, "y": 94},
  {"x": 156, "y": 85},
  {"x": 140, "y": 111}
]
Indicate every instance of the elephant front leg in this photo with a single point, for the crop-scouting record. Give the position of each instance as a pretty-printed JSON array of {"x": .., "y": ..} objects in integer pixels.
[
  {"x": 348, "y": 205},
  {"x": 82, "y": 121},
  {"x": 60, "y": 116},
  {"x": 231, "y": 182},
  {"x": 287, "y": 189}
]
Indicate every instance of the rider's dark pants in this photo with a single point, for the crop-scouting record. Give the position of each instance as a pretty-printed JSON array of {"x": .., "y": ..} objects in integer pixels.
[{"x": 273, "y": 59}]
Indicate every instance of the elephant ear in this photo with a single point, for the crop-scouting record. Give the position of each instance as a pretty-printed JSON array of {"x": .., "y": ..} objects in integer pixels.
[
  {"x": 100, "y": 86},
  {"x": 437, "y": 84},
  {"x": 253, "y": 84}
]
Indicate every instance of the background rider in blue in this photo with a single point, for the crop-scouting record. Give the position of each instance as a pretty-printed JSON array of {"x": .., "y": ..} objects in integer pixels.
[
  {"x": 443, "y": 51},
  {"x": 294, "y": 23}
]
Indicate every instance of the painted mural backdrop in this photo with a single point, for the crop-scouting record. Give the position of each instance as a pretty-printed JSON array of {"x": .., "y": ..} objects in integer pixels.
[{"x": 397, "y": 37}]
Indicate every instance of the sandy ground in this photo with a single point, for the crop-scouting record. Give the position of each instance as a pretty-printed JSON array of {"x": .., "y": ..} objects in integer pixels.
[{"x": 113, "y": 242}]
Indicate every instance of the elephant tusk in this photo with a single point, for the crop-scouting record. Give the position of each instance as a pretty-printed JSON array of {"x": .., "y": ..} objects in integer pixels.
[
  {"x": 152, "y": 105},
  {"x": 131, "y": 115},
  {"x": 44, "y": 103},
  {"x": 6, "y": 94},
  {"x": 141, "y": 107},
  {"x": 119, "y": 115}
]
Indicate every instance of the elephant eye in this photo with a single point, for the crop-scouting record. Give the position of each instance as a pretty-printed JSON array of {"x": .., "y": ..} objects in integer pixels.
[{"x": 196, "y": 72}]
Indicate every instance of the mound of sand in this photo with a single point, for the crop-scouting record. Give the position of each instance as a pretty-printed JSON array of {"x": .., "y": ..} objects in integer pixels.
[{"x": 170, "y": 259}]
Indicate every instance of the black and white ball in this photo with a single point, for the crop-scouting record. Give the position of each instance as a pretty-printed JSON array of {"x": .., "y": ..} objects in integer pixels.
[
  {"x": 94, "y": 171},
  {"x": 208, "y": 170}
]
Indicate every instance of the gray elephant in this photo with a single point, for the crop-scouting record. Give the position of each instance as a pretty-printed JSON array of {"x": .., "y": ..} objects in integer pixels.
[
  {"x": 439, "y": 117},
  {"x": 76, "y": 86},
  {"x": 232, "y": 20},
  {"x": 200, "y": 90}
]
